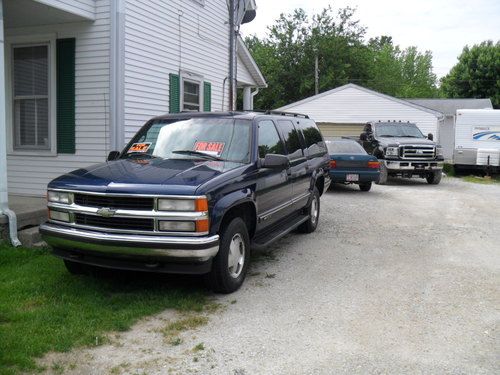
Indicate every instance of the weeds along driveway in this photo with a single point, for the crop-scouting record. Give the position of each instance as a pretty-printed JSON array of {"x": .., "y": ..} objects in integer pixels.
[{"x": 403, "y": 279}]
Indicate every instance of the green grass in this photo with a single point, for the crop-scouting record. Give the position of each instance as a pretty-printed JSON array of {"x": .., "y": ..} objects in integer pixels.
[
  {"x": 43, "y": 308},
  {"x": 482, "y": 180}
]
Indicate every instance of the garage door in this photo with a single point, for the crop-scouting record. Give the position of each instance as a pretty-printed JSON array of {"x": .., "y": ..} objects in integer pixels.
[{"x": 335, "y": 130}]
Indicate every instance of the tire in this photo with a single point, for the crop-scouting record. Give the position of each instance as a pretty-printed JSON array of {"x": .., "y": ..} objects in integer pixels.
[
  {"x": 230, "y": 265},
  {"x": 312, "y": 210},
  {"x": 74, "y": 268},
  {"x": 434, "y": 178},
  {"x": 365, "y": 186},
  {"x": 383, "y": 174}
]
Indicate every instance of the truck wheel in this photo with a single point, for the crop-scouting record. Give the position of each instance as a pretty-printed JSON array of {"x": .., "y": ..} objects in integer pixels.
[
  {"x": 365, "y": 187},
  {"x": 434, "y": 178},
  {"x": 312, "y": 210},
  {"x": 230, "y": 265},
  {"x": 383, "y": 174},
  {"x": 74, "y": 268}
]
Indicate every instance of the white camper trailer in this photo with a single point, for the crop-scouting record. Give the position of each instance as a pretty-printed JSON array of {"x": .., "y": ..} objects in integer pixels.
[{"x": 477, "y": 138}]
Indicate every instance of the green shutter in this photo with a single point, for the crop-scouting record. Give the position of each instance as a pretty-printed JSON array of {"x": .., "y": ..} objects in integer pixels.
[
  {"x": 174, "y": 94},
  {"x": 207, "y": 96},
  {"x": 65, "y": 96}
]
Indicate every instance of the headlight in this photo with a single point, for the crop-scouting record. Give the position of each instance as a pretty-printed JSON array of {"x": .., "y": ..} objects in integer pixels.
[
  {"x": 59, "y": 197},
  {"x": 391, "y": 151},
  {"x": 167, "y": 204},
  {"x": 59, "y": 215},
  {"x": 177, "y": 226},
  {"x": 439, "y": 151}
]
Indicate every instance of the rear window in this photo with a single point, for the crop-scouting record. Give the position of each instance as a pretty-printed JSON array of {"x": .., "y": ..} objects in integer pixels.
[{"x": 345, "y": 147}]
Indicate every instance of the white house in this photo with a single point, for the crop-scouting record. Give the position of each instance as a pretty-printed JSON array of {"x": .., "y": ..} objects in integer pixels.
[
  {"x": 81, "y": 77},
  {"x": 344, "y": 110}
]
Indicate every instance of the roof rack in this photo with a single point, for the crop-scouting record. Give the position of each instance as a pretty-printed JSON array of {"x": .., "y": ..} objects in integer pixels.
[{"x": 279, "y": 113}]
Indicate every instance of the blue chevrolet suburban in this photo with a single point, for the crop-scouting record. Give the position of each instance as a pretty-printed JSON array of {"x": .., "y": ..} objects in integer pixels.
[{"x": 192, "y": 193}]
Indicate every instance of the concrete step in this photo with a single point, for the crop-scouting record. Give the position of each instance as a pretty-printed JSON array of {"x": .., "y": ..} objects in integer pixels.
[
  {"x": 29, "y": 236},
  {"x": 40, "y": 244}
]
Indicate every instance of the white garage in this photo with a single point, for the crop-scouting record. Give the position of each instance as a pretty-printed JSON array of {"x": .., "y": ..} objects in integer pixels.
[{"x": 343, "y": 111}]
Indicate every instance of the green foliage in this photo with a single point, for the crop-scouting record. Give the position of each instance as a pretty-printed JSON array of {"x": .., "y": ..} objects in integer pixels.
[
  {"x": 476, "y": 75},
  {"x": 286, "y": 57},
  {"x": 43, "y": 308}
]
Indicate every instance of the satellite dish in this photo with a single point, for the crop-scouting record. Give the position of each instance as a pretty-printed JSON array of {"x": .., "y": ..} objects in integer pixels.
[{"x": 245, "y": 11}]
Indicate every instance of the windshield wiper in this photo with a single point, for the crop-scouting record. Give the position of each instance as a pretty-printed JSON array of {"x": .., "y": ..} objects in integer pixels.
[
  {"x": 409, "y": 136},
  {"x": 143, "y": 154},
  {"x": 386, "y": 136},
  {"x": 197, "y": 153}
]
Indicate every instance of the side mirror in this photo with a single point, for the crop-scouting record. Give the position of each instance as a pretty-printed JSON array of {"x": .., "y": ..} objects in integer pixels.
[
  {"x": 113, "y": 155},
  {"x": 430, "y": 136},
  {"x": 363, "y": 137},
  {"x": 275, "y": 161}
]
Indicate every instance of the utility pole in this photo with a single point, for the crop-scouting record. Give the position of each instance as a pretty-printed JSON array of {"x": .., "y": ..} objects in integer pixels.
[
  {"x": 316, "y": 74},
  {"x": 231, "y": 55}
]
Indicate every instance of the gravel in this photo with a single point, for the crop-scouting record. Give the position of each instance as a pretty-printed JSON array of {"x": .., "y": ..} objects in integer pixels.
[{"x": 402, "y": 279}]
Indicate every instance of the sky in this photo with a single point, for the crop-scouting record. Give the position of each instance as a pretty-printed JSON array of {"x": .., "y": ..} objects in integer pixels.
[{"x": 442, "y": 26}]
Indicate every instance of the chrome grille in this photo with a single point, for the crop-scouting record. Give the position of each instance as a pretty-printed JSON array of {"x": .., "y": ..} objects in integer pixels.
[
  {"x": 124, "y": 203},
  {"x": 115, "y": 222},
  {"x": 418, "y": 152}
]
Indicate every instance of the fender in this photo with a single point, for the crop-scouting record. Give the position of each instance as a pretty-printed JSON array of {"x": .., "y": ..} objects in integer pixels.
[{"x": 229, "y": 201}]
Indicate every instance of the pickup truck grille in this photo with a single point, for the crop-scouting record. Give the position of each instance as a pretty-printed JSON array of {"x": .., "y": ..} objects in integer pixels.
[
  {"x": 115, "y": 222},
  {"x": 417, "y": 152},
  {"x": 124, "y": 203}
]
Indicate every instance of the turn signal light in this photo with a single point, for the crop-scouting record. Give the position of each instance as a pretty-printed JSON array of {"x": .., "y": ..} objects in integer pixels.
[
  {"x": 374, "y": 164},
  {"x": 333, "y": 164},
  {"x": 201, "y": 204},
  {"x": 202, "y": 225}
]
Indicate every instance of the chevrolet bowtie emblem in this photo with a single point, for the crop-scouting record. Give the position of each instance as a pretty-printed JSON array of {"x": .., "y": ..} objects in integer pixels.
[{"x": 106, "y": 212}]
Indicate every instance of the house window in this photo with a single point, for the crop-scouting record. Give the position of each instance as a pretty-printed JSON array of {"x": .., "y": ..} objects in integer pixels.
[
  {"x": 191, "y": 96},
  {"x": 31, "y": 97}
]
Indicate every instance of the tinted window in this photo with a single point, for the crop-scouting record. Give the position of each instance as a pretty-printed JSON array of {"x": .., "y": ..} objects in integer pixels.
[
  {"x": 312, "y": 137},
  {"x": 344, "y": 147},
  {"x": 269, "y": 141},
  {"x": 398, "y": 130},
  {"x": 292, "y": 139}
]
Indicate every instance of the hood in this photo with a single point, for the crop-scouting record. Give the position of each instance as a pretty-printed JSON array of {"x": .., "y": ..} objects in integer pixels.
[
  {"x": 152, "y": 176},
  {"x": 405, "y": 141}
]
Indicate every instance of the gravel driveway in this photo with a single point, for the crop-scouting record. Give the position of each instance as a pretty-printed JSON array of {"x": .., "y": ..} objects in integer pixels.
[{"x": 403, "y": 279}]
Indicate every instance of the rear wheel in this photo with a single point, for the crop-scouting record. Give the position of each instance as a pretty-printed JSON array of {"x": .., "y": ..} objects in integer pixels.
[
  {"x": 311, "y": 224},
  {"x": 383, "y": 174},
  {"x": 434, "y": 178},
  {"x": 230, "y": 266},
  {"x": 74, "y": 268},
  {"x": 365, "y": 186}
]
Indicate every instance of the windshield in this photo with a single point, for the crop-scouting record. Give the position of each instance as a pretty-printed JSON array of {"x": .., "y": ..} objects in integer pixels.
[
  {"x": 197, "y": 138},
  {"x": 344, "y": 147},
  {"x": 398, "y": 130}
]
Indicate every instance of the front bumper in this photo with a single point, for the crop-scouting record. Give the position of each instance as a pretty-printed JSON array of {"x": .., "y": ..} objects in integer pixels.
[
  {"x": 130, "y": 246},
  {"x": 413, "y": 165}
]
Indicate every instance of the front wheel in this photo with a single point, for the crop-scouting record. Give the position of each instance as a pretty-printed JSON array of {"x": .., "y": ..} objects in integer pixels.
[
  {"x": 230, "y": 265},
  {"x": 311, "y": 224},
  {"x": 365, "y": 186},
  {"x": 434, "y": 178}
]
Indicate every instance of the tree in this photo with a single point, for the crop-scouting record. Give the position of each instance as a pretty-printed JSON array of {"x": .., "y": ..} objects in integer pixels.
[
  {"x": 476, "y": 75},
  {"x": 286, "y": 57}
]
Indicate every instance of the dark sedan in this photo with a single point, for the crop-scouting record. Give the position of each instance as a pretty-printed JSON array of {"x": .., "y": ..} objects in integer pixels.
[{"x": 350, "y": 164}]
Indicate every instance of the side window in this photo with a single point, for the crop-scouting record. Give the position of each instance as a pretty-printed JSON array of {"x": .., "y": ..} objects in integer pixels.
[
  {"x": 269, "y": 140},
  {"x": 292, "y": 139},
  {"x": 312, "y": 137}
]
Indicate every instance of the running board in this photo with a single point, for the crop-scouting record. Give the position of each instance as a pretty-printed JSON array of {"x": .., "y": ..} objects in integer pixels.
[{"x": 278, "y": 232}]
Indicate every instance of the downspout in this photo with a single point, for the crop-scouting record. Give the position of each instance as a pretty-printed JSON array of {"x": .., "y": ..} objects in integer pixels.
[
  {"x": 231, "y": 55},
  {"x": 4, "y": 197},
  {"x": 117, "y": 64},
  {"x": 253, "y": 95}
]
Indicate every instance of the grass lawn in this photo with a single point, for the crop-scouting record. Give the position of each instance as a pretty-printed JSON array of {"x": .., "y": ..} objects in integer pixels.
[
  {"x": 44, "y": 308},
  {"x": 482, "y": 180}
]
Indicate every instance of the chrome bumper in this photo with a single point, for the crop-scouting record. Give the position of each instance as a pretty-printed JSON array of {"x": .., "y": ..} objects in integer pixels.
[
  {"x": 141, "y": 246},
  {"x": 413, "y": 165}
]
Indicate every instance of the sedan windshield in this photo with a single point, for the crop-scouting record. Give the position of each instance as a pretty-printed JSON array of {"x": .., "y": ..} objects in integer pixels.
[
  {"x": 196, "y": 138},
  {"x": 345, "y": 147},
  {"x": 398, "y": 130}
]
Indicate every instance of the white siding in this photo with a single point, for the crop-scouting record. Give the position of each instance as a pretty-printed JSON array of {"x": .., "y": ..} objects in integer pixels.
[
  {"x": 30, "y": 174},
  {"x": 163, "y": 37},
  {"x": 83, "y": 8},
  {"x": 352, "y": 105},
  {"x": 244, "y": 76}
]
